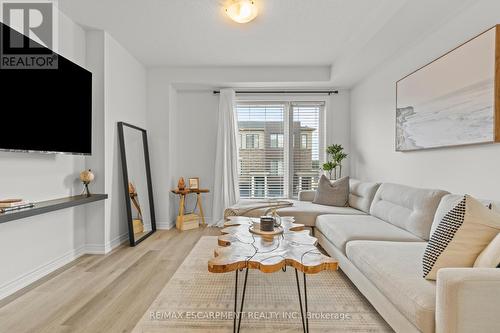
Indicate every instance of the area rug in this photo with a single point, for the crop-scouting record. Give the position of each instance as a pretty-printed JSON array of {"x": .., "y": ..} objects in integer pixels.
[{"x": 195, "y": 300}]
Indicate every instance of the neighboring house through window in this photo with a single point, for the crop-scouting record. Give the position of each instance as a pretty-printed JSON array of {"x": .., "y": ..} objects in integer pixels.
[
  {"x": 252, "y": 141},
  {"x": 276, "y": 140},
  {"x": 280, "y": 151}
]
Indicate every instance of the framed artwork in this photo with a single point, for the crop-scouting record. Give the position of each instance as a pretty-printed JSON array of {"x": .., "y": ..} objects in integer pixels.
[
  {"x": 454, "y": 100},
  {"x": 194, "y": 183}
]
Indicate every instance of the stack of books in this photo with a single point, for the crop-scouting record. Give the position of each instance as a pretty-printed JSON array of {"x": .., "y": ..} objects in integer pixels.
[{"x": 14, "y": 204}]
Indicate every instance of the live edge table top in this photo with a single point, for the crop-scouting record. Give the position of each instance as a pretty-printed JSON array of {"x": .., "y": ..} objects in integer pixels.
[{"x": 239, "y": 248}]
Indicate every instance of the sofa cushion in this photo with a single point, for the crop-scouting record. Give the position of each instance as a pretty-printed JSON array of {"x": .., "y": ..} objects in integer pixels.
[
  {"x": 407, "y": 207},
  {"x": 449, "y": 201},
  {"x": 334, "y": 193},
  {"x": 490, "y": 257},
  {"x": 340, "y": 229},
  {"x": 394, "y": 268},
  {"x": 305, "y": 212},
  {"x": 361, "y": 194}
]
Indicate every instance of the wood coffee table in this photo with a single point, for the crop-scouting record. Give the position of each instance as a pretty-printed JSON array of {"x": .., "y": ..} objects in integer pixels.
[{"x": 240, "y": 249}]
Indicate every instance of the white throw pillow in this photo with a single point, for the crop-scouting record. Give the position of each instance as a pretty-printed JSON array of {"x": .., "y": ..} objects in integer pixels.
[
  {"x": 490, "y": 257},
  {"x": 334, "y": 193},
  {"x": 465, "y": 231}
]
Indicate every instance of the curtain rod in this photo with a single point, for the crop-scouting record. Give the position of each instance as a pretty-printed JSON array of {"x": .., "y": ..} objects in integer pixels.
[{"x": 329, "y": 92}]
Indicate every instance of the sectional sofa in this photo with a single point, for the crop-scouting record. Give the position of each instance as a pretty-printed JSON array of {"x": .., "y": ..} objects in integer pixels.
[{"x": 379, "y": 241}]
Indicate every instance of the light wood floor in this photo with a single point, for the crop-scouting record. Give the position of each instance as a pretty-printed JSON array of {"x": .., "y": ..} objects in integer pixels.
[{"x": 98, "y": 293}]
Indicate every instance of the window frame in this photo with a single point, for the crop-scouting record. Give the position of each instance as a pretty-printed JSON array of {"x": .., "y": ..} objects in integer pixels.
[
  {"x": 302, "y": 141},
  {"x": 254, "y": 140},
  {"x": 277, "y": 140},
  {"x": 288, "y": 143}
]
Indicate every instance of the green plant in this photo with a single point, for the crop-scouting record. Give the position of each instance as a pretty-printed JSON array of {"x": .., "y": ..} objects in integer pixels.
[
  {"x": 329, "y": 167},
  {"x": 335, "y": 156}
]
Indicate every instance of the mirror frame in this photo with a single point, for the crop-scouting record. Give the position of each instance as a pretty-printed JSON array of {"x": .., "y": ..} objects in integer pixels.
[{"x": 121, "y": 137}]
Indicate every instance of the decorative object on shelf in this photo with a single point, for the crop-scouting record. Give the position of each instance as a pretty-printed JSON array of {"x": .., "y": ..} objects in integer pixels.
[
  {"x": 9, "y": 205},
  {"x": 181, "y": 185},
  {"x": 137, "y": 223},
  {"x": 186, "y": 221},
  {"x": 335, "y": 156},
  {"x": 43, "y": 207},
  {"x": 194, "y": 183},
  {"x": 137, "y": 180},
  {"x": 242, "y": 11},
  {"x": 87, "y": 177},
  {"x": 454, "y": 100}
]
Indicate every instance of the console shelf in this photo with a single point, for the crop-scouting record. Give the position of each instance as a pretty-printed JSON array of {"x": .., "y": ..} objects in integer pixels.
[{"x": 43, "y": 207}]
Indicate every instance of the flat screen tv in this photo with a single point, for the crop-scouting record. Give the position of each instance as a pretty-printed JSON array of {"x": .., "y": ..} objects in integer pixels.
[{"x": 45, "y": 109}]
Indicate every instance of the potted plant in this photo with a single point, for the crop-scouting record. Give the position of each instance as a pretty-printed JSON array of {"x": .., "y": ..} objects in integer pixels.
[{"x": 335, "y": 156}]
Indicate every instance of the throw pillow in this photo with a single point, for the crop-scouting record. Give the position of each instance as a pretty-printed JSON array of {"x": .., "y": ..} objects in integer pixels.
[
  {"x": 462, "y": 235},
  {"x": 334, "y": 193},
  {"x": 490, "y": 257}
]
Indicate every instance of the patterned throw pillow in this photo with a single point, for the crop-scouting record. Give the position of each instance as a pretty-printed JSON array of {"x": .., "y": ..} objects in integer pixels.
[{"x": 464, "y": 232}]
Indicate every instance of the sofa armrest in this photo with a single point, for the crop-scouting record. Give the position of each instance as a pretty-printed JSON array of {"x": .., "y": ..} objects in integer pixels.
[
  {"x": 467, "y": 300},
  {"x": 307, "y": 195}
]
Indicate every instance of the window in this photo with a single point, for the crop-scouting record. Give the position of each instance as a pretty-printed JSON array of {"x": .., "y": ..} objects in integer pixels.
[
  {"x": 306, "y": 160},
  {"x": 276, "y": 140},
  {"x": 274, "y": 167},
  {"x": 303, "y": 141},
  {"x": 252, "y": 141}
]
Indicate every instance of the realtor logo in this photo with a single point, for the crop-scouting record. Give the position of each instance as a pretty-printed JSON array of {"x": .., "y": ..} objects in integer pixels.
[{"x": 29, "y": 34}]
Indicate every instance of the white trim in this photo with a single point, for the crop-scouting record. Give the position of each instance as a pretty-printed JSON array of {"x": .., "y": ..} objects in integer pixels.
[
  {"x": 165, "y": 225},
  {"x": 26, "y": 279},
  {"x": 108, "y": 247}
]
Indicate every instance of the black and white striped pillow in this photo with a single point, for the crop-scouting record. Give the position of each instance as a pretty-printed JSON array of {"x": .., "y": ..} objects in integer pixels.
[
  {"x": 460, "y": 237},
  {"x": 443, "y": 235}
]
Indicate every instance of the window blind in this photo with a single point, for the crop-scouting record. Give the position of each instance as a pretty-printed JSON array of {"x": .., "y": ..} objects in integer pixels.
[
  {"x": 279, "y": 149},
  {"x": 305, "y": 168},
  {"x": 262, "y": 154}
]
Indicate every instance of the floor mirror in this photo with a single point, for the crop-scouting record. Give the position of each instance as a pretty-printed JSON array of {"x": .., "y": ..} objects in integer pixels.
[{"x": 137, "y": 184}]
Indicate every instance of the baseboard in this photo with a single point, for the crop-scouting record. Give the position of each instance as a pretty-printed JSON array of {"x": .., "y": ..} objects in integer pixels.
[
  {"x": 41, "y": 271},
  {"x": 26, "y": 279},
  {"x": 165, "y": 225},
  {"x": 108, "y": 247}
]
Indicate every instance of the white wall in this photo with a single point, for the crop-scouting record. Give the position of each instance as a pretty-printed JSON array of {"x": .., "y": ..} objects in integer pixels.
[
  {"x": 119, "y": 95},
  {"x": 183, "y": 128},
  {"x": 196, "y": 122},
  {"x": 162, "y": 114},
  {"x": 472, "y": 169},
  {"x": 32, "y": 247},
  {"x": 125, "y": 100}
]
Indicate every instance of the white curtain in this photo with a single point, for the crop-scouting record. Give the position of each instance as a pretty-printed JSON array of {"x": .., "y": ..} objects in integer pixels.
[{"x": 226, "y": 189}]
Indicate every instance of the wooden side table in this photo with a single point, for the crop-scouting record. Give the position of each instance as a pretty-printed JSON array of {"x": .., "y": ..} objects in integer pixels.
[{"x": 182, "y": 216}]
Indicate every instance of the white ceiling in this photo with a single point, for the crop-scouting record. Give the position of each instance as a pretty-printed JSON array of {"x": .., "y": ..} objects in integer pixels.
[{"x": 351, "y": 35}]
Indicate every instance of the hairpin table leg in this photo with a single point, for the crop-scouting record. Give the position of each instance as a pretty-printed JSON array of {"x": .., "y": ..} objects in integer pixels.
[
  {"x": 300, "y": 301},
  {"x": 236, "y": 314}
]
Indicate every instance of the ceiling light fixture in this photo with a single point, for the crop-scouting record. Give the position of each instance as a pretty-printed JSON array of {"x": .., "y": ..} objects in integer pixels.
[{"x": 242, "y": 11}]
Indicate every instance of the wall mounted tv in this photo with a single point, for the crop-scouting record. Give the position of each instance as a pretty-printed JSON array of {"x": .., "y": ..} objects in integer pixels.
[{"x": 44, "y": 109}]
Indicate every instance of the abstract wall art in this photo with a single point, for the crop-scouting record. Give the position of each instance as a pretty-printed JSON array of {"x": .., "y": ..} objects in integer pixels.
[{"x": 454, "y": 100}]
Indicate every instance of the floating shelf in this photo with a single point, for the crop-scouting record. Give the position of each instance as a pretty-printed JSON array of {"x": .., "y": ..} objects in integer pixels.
[{"x": 43, "y": 207}]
